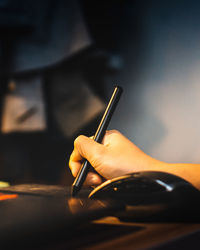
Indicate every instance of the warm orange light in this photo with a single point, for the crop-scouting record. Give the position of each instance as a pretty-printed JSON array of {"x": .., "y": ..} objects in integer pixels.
[{"x": 7, "y": 196}]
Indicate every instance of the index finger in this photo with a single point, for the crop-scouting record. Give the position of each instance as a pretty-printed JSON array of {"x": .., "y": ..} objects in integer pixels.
[{"x": 75, "y": 162}]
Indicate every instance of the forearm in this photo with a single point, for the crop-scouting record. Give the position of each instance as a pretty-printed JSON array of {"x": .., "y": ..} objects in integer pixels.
[
  {"x": 118, "y": 156},
  {"x": 189, "y": 172}
]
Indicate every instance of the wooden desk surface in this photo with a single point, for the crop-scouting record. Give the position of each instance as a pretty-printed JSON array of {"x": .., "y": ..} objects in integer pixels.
[
  {"x": 151, "y": 235},
  {"x": 110, "y": 233}
]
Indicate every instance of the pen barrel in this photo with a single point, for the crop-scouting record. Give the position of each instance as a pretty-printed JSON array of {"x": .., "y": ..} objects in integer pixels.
[
  {"x": 80, "y": 178},
  {"x": 98, "y": 137}
]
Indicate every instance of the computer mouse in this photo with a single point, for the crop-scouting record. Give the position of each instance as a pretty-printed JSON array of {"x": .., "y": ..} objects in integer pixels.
[{"x": 146, "y": 187}]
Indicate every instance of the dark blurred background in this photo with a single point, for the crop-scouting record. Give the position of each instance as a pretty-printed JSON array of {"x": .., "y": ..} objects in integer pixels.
[{"x": 59, "y": 62}]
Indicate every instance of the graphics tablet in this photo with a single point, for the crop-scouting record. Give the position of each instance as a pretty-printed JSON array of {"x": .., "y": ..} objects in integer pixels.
[{"x": 33, "y": 214}]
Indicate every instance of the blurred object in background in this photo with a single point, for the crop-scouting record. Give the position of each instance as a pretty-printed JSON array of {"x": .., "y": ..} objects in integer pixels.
[
  {"x": 23, "y": 108},
  {"x": 42, "y": 33},
  {"x": 52, "y": 83},
  {"x": 75, "y": 106}
]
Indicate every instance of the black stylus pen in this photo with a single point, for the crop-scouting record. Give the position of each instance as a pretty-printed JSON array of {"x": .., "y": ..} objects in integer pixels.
[{"x": 80, "y": 178}]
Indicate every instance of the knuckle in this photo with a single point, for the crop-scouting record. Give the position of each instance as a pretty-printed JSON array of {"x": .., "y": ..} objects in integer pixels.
[
  {"x": 111, "y": 132},
  {"x": 114, "y": 131},
  {"x": 78, "y": 140}
]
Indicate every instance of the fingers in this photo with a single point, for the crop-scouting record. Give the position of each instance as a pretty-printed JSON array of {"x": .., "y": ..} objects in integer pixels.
[
  {"x": 88, "y": 148},
  {"x": 75, "y": 162},
  {"x": 84, "y": 148},
  {"x": 92, "y": 179}
]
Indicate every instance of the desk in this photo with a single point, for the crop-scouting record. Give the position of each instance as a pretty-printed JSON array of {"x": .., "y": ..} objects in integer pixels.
[
  {"x": 151, "y": 235},
  {"x": 50, "y": 224},
  {"x": 109, "y": 233}
]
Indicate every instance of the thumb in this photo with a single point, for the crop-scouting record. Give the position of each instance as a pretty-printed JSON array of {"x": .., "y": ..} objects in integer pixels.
[{"x": 88, "y": 148}]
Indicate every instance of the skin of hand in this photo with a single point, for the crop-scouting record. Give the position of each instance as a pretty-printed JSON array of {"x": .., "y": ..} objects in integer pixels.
[{"x": 116, "y": 156}]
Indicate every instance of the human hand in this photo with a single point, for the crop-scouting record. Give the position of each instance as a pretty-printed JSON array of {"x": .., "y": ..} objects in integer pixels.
[{"x": 116, "y": 156}]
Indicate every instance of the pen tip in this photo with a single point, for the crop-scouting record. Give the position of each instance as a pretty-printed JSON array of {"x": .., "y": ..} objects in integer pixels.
[{"x": 74, "y": 190}]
